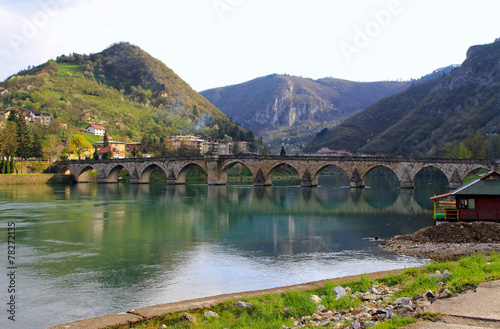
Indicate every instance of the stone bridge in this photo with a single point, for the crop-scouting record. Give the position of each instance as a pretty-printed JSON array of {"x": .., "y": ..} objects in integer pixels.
[{"x": 263, "y": 168}]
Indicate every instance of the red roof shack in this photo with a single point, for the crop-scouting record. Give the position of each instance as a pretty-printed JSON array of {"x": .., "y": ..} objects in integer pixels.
[{"x": 476, "y": 201}]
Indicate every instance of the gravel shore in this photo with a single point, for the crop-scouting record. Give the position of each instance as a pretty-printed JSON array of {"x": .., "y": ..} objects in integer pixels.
[{"x": 448, "y": 240}]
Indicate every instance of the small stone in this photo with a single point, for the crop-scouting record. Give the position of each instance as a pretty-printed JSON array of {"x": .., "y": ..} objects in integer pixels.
[
  {"x": 440, "y": 276},
  {"x": 409, "y": 308},
  {"x": 374, "y": 289},
  {"x": 355, "y": 325},
  {"x": 340, "y": 291},
  {"x": 369, "y": 324},
  {"x": 324, "y": 323},
  {"x": 163, "y": 326},
  {"x": 188, "y": 317},
  {"x": 416, "y": 297},
  {"x": 241, "y": 304},
  {"x": 402, "y": 301},
  {"x": 316, "y": 299},
  {"x": 368, "y": 297},
  {"x": 466, "y": 292},
  {"x": 429, "y": 294},
  {"x": 210, "y": 314},
  {"x": 321, "y": 308},
  {"x": 446, "y": 294}
]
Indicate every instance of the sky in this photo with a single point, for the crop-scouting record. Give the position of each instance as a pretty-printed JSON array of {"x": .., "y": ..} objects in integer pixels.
[{"x": 214, "y": 43}]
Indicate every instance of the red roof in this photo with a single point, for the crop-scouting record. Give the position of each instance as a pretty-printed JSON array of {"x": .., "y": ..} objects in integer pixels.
[
  {"x": 440, "y": 196},
  {"x": 97, "y": 127}
]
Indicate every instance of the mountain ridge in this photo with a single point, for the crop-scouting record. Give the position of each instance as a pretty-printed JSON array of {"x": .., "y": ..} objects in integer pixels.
[
  {"x": 284, "y": 107},
  {"x": 421, "y": 119}
]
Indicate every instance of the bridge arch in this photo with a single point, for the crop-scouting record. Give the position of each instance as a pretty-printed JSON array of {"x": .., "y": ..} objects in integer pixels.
[
  {"x": 64, "y": 169},
  {"x": 270, "y": 173},
  {"x": 421, "y": 169},
  {"x": 473, "y": 170},
  {"x": 315, "y": 174},
  {"x": 145, "y": 175},
  {"x": 83, "y": 175},
  {"x": 223, "y": 175},
  {"x": 369, "y": 170},
  {"x": 180, "y": 177},
  {"x": 111, "y": 176}
]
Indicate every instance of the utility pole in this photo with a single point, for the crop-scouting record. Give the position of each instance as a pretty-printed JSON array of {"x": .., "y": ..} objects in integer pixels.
[{"x": 491, "y": 153}]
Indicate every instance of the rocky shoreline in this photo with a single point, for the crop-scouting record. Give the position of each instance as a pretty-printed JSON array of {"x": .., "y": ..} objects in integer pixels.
[{"x": 448, "y": 240}]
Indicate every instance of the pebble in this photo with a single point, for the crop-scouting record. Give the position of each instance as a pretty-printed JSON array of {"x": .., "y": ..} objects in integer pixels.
[
  {"x": 241, "y": 304},
  {"x": 210, "y": 314},
  {"x": 188, "y": 317},
  {"x": 316, "y": 299},
  {"x": 340, "y": 292}
]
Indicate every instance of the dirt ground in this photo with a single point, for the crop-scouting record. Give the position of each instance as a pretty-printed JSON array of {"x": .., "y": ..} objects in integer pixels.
[{"x": 448, "y": 240}]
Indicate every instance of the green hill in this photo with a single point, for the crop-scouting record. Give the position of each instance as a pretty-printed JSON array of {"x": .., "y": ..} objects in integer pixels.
[
  {"x": 291, "y": 110},
  {"x": 123, "y": 88},
  {"x": 422, "y": 119}
]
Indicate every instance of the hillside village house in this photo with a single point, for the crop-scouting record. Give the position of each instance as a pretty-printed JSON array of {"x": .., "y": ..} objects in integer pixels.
[
  {"x": 205, "y": 146},
  {"x": 118, "y": 148},
  {"x": 96, "y": 130},
  {"x": 5, "y": 114},
  {"x": 40, "y": 117},
  {"x": 131, "y": 147},
  {"x": 184, "y": 141}
]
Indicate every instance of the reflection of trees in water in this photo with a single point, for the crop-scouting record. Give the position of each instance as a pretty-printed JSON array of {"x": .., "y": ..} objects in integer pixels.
[
  {"x": 333, "y": 176},
  {"x": 381, "y": 198},
  {"x": 382, "y": 177},
  {"x": 429, "y": 182}
]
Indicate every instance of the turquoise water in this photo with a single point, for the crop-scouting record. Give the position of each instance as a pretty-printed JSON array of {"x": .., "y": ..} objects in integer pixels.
[{"x": 89, "y": 250}]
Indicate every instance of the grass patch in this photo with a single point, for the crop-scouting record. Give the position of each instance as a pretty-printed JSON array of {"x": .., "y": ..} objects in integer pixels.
[{"x": 275, "y": 310}]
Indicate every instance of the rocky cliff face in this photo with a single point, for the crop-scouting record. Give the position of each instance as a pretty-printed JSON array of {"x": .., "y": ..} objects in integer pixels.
[{"x": 279, "y": 102}]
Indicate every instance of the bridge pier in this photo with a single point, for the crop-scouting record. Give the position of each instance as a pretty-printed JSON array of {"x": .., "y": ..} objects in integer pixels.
[
  {"x": 355, "y": 181},
  {"x": 405, "y": 181},
  {"x": 455, "y": 181}
]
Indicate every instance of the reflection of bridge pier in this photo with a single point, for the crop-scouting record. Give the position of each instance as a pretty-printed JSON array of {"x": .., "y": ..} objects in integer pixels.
[{"x": 263, "y": 167}]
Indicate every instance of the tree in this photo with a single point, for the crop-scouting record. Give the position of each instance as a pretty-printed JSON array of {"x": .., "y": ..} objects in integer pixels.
[
  {"x": 52, "y": 147},
  {"x": 54, "y": 126},
  {"x": 105, "y": 140},
  {"x": 236, "y": 148},
  {"x": 24, "y": 139},
  {"x": 477, "y": 144},
  {"x": 79, "y": 144},
  {"x": 8, "y": 144},
  {"x": 36, "y": 148},
  {"x": 282, "y": 152}
]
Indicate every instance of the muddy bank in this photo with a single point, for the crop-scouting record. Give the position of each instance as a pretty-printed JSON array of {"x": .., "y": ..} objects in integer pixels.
[{"x": 448, "y": 240}]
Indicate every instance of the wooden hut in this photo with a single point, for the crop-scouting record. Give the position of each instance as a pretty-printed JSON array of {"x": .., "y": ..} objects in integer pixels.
[{"x": 476, "y": 201}]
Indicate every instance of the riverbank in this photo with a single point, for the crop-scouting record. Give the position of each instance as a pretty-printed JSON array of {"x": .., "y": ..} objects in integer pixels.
[
  {"x": 395, "y": 298},
  {"x": 448, "y": 240},
  {"x": 32, "y": 179}
]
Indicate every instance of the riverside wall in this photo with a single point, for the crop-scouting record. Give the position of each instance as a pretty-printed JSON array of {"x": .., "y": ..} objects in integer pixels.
[{"x": 32, "y": 179}]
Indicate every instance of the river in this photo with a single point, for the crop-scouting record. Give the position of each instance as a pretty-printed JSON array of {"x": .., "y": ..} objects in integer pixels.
[{"x": 88, "y": 250}]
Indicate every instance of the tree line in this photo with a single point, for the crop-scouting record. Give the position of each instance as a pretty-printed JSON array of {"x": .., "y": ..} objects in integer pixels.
[{"x": 17, "y": 140}]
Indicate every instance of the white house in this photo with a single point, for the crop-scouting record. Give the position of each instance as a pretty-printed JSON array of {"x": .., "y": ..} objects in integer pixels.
[
  {"x": 39, "y": 116},
  {"x": 96, "y": 130}
]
